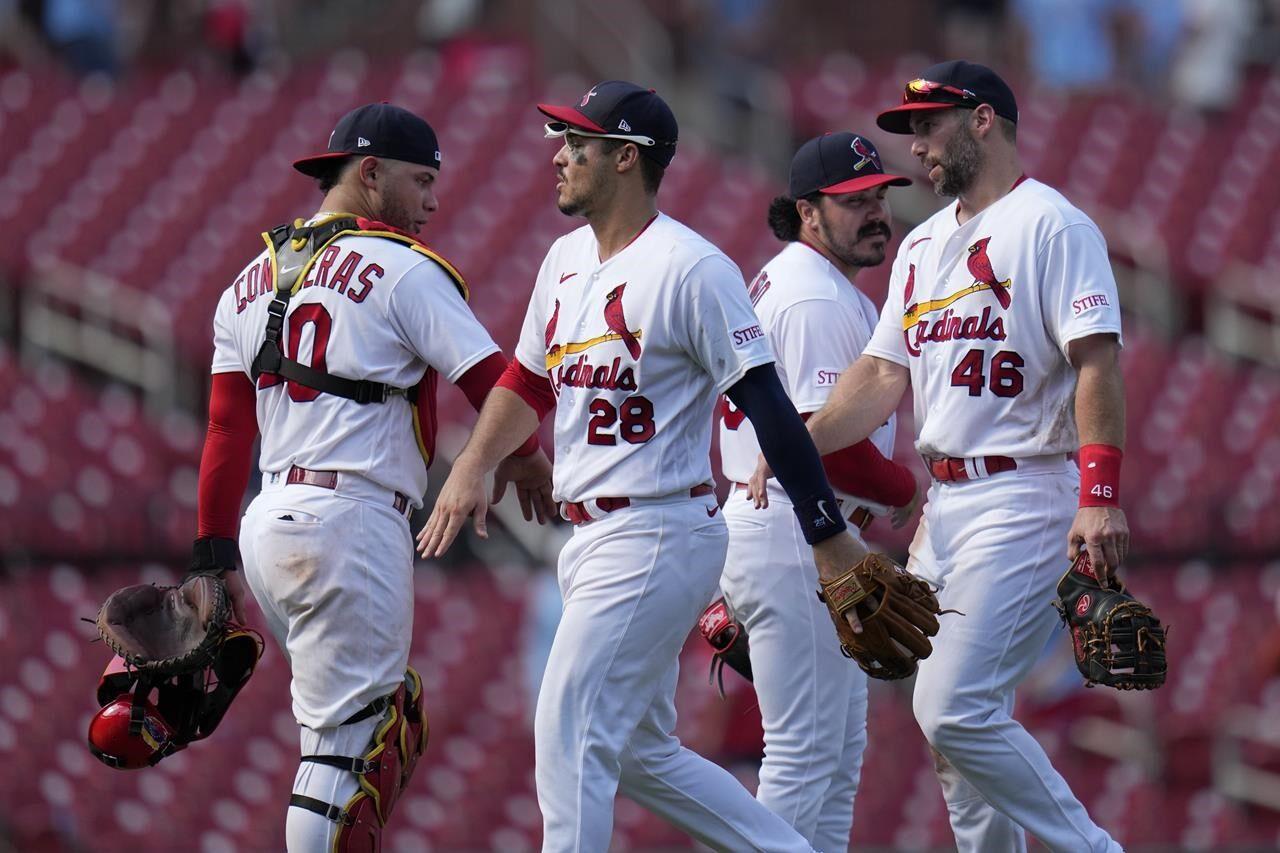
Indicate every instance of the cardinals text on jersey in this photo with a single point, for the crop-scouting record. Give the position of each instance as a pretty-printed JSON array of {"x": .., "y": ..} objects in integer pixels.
[
  {"x": 982, "y": 313},
  {"x": 637, "y": 348}
]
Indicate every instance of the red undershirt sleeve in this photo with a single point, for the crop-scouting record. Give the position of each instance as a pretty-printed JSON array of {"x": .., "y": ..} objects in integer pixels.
[
  {"x": 483, "y": 376},
  {"x": 864, "y": 471},
  {"x": 226, "y": 460},
  {"x": 531, "y": 387}
]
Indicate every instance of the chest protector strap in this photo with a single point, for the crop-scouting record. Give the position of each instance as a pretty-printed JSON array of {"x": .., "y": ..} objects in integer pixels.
[{"x": 294, "y": 249}]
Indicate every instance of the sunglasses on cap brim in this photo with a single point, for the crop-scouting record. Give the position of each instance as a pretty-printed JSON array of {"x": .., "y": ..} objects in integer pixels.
[
  {"x": 557, "y": 129},
  {"x": 921, "y": 90}
]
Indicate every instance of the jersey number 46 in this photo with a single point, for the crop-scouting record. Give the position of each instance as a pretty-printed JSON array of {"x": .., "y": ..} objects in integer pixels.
[{"x": 1006, "y": 379}]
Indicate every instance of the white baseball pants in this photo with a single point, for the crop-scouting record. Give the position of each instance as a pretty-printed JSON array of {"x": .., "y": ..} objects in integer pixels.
[
  {"x": 996, "y": 547},
  {"x": 634, "y": 582},
  {"x": 813, "y": 700},
  {"x": 332, "y": 570}
]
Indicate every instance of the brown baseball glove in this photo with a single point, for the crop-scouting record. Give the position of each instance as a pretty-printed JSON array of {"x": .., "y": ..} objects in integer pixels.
[
  {"x": 899, "y": 613},
  {"x": 166, "y": 630}
]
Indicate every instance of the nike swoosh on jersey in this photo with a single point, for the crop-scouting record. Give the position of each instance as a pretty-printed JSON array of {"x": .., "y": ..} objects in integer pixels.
[
  {"x": 711, "y": 511},
  {"x": 566, "y": 276}
]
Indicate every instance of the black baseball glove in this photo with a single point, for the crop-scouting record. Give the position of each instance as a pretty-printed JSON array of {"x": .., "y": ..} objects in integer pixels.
[
  {"x": 728, "y": 637},
  {"x": 1117, "y": 640}
]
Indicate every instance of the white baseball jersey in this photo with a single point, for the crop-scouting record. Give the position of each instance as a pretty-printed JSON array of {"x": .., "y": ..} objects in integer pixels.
[
  {"x": 637, "y": 348},
  {"x": 817, "y": 323},
  {"x": 982, "y": 313},
  {"x": 370, "y": 308}
]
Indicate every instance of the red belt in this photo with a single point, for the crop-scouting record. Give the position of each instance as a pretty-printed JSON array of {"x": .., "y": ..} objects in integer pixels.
[
  {"x": 329, "y": 480},
  {"x": 579, "y": 513},
  {"x": 860, "y": 517},
  {"x": 950, "y": 469}
]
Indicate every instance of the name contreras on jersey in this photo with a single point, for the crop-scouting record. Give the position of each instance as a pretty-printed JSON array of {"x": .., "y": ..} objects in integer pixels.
[
  {"x": 950, "y": 327},
  {"x": 584, "y": 374},
  {"x": 327, "y": 271}
]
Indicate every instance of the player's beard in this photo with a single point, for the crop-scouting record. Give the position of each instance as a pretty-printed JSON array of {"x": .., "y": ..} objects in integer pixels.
[
  {"x": 587, "y": 198},
  {"x": 961, "y": 161},
  {"x": 397, "y": 214},
  {"x": 853, "y": 252}
]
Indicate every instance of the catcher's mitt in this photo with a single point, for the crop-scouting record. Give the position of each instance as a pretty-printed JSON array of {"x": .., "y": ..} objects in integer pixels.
[
  {"x": 1117, "y": 640},
  {"x": 728, "y": 637},
  {"x": 166, "y": 630},
  {"x": 898, "y": 612}
]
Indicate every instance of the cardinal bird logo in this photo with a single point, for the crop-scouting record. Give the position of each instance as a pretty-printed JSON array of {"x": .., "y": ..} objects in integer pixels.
[
  {"x": 551, "y": 324},
  {"x": 868, "y": 154},
  {"x": 617, "y": 323},
  {"x": 980, "y": 268},
  {"x": 984, "y": 278}
]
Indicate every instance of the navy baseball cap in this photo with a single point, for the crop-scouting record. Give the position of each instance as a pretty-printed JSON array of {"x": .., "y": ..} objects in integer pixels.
[
  {"x": 837, "y": 163},
  {"x": 616, "y": 109},
  {"x": 951, "y": 84},
  {"x": 377, "y": 130}
]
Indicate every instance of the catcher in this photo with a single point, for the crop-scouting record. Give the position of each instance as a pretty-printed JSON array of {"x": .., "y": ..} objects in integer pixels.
[{"x": 330, "y": 344}]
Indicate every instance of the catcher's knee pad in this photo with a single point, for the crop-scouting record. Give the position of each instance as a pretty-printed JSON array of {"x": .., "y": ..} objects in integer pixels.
[{"x": 382, "y": 772}]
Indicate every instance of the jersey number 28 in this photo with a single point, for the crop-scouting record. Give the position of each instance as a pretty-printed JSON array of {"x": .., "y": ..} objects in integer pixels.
[{"x": 634, "y": 419}]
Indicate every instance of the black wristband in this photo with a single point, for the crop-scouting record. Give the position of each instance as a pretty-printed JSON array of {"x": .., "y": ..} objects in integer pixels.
[
  {"x": 213, "y": 554},
  {"x": 819, "y": 517}
]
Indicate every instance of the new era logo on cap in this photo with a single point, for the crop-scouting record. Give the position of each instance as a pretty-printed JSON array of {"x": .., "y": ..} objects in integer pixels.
[
  {"x": 376, "y": 130},
  {"x": 600, "y": 111}
]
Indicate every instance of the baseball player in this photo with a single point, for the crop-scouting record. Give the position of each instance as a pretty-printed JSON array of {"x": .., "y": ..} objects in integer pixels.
[
  {"x": 813, "y": 703},
  {"x": 634, "y": 327},
  {"x": 1002, "y": 314},
  {"x": 329, "y": 343}
]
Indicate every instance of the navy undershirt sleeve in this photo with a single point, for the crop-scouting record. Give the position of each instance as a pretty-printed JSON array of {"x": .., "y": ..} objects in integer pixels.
[{"x": 789, "y": 451}]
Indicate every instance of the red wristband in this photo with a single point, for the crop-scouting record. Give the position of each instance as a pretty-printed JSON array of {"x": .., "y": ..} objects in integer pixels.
[{"x": 1100, "y": 475}]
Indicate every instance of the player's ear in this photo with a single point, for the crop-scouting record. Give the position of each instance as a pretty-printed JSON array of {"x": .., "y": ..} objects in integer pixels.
[
  {"x": 367, "y": 172},
  {"x": 807, "y": 210},
  {"x": 627, "y": 157},
  {"x": 982, "y": 120}
]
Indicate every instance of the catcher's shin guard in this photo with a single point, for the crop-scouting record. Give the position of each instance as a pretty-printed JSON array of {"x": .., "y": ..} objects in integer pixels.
[{"x": 382, "y": 772}]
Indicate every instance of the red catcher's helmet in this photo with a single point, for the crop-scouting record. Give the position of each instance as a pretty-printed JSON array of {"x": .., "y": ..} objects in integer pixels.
[{"x": 130, "y": 734}]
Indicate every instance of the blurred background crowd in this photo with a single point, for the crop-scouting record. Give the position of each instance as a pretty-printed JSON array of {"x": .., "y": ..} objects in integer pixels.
[{"x": 146, "y": 143}]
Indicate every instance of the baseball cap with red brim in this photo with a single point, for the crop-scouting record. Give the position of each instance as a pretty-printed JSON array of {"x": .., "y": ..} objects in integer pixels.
[
  {"x": 377, "y": 130},
  {"x": 836, "y": 163},
  {"x": 950, "y": 84},
  {"x": 616, "y": 109}
]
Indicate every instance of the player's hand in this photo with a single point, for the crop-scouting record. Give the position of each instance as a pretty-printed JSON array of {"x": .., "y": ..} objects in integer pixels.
[
  {"x": 531, "y": 476},
  {"x": 834, "y": 557},
  {"x": 463, "y": 495},
  {"x": 1104, "y": 532},
  {"x": 758, "y": 485},
  {"x": 235, "y": 591},
  {"x": 901, "y": 515}
]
